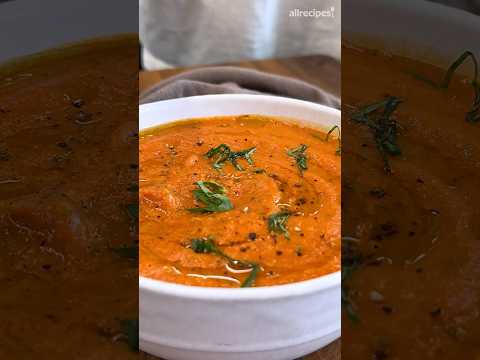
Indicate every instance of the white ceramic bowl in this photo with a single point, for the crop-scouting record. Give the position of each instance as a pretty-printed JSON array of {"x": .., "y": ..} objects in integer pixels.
[
  {"x": 420, "y": 30},
  {"x": 264, "y": 323}
]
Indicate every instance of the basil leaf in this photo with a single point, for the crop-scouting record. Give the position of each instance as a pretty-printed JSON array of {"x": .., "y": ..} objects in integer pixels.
[
  {"x": 300, "y": 158},
  {"x": 207, "y": 245},
  {"x": 212, "y": 196},
  {"x": 383, "y": 126},
  {"x": 223, "y": 154},
  {"x": 252, "y": 277},
  {"x": 277, "y": 223},
  {"x": 339, "y": 148}
]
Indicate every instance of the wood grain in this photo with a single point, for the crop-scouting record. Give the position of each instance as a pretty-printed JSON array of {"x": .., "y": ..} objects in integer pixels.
[{"x": 318, "y": 70}]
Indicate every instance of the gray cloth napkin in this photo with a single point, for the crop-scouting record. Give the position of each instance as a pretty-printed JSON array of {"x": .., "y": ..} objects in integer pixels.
[{"x": 235, "y": 80}]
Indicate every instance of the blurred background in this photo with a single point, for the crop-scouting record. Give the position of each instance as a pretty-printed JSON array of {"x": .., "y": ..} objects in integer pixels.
[
  {"x": 467, "y": 5},
  {"x": 184, "y": 32},
  {"x": 29, "y": 26}
]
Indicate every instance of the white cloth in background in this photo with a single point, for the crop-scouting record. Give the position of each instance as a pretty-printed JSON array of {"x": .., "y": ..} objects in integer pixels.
[{"x": 190, "y": 32}]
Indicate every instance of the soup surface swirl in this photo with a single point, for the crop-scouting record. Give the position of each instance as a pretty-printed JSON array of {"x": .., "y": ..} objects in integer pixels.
[{"x": 172, "y": 162}]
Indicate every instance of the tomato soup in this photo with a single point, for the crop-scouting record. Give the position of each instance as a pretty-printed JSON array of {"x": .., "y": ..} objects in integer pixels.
[
  {"x": 410, "y": 224},
  {"x": 239, "y": 201},
  {"x": 68, "y": 171}
]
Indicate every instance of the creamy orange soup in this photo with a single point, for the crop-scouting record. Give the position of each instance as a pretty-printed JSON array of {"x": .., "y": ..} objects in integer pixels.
[
  {"x": 261, "y": 209},
  {"x": 411, "y": 235},
  {"x": 68, "y": 171}
]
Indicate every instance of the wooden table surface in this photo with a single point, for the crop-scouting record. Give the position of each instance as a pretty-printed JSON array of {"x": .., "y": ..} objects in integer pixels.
[{"x": 318, "y": 70}]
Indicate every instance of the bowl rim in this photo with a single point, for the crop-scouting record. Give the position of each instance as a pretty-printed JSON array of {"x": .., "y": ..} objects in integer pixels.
[
  {"x": 144, "y": 109},
  {"x": 421, "y": 15},
  {"x": 289, "y": 290}
]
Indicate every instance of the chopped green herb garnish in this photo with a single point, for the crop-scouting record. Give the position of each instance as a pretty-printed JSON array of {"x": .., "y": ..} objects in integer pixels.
[
  {"x": 277, "y": 223},
  {"x": 362, "y": 114},
  {"x": 250, "y": 280},
  {"x": 336, "y": 127},
  {"x": 456, "y": 64},
  {"x": 222, "y": 154},
  {"x": 383, "y": 126},
  {"x": 204, "y": 246},
  {"x": 474, "y": 114},
  {"x": 212, "y": 196},
  {"x": 351, "y": 260},
  {"x": 207, "y": 245},
  {"x": 349, "y": 306},
  {"x": 300, "y": 158}
]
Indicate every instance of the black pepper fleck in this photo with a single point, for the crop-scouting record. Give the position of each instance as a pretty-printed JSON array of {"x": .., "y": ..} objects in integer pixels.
[{"x": 387, "y": 309}]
